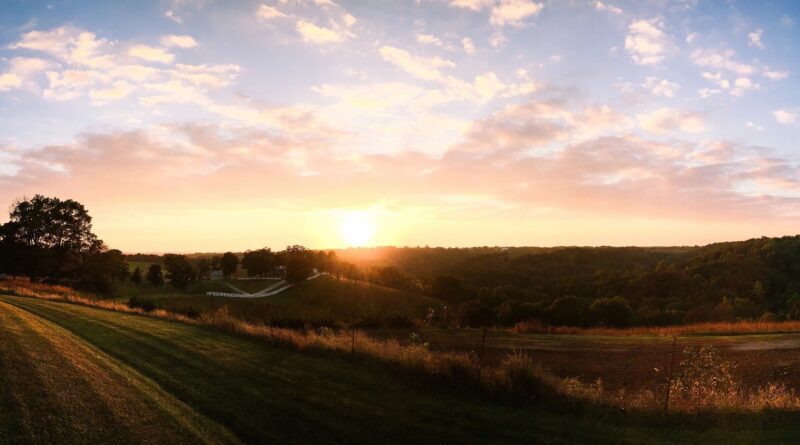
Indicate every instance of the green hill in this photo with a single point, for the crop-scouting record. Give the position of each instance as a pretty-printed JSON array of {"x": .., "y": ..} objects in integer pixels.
[{"x": 322, "y": 301}]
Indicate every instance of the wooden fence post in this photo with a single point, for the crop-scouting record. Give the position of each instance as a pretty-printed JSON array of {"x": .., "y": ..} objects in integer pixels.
[
  {"x": 480, "y": 352},
  {"x": 669, "y": 375}
]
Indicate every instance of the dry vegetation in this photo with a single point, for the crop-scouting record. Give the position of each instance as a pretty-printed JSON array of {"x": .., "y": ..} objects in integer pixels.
[
  {"x": 709, "y": 328},
  {"x": 703, "y": 381}
]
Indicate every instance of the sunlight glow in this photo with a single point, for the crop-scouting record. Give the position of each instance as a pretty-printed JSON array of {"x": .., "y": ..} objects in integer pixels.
[{"x": 357, "y": 228}]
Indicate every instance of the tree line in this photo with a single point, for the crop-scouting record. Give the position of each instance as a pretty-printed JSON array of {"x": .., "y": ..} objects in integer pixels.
[
  {"x": 613, "y": 286},
  {"x": 50, "y": 239}
]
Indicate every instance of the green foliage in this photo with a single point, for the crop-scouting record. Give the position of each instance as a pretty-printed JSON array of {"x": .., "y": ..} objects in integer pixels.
[
  {"x": 568, "y": 311},
  {"x": 258, "y": 262},
  {"x": 229, "y": 263},
  {"x": 448, "y": 288},
  {"x": 179, "y": 270},
  {"x": 475, "y": 313},
  {"x": 143, "y": 303},
  {"x": 704, "y": 375},
  {"x": 613, "y": 312},
  {"x": 155, "y": 277},
  {"x": 48, "y": 237},
  {"x": 136, "y": 276}
]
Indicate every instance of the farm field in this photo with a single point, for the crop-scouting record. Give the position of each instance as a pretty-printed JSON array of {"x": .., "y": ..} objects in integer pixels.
[
  {"x": 630, "y": 362},
  {"x": 188, "y": 384}
]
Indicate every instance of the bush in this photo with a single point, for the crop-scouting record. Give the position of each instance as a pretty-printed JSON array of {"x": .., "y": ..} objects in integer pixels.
[
  {"x": 704, "y": 378},
  {"x": 522, "y": 378},
  {"x": 145, "y": 304},
  {"x": 511, "y": 312},
  {"x": 476, "y": 314},
  {"x": 613, "y": 312},
  {"x": 568, "y": 311}
]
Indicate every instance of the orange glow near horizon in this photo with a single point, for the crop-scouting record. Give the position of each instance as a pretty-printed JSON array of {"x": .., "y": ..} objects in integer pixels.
[{"x": 357, "y": 228}]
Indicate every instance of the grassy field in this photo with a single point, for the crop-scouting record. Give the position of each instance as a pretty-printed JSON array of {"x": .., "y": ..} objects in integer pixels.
[
  {"x": 631, "y": 362},
  {"x": 72, "y": 374},
  {"x": 323, "y": 301}
]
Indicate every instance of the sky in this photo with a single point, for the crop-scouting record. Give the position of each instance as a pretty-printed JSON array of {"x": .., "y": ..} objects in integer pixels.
[{"x": 202, "y": 125}]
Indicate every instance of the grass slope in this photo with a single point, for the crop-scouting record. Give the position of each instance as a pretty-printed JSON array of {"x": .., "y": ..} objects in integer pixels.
[
  {"x": 72, "y": 374},
  {"x": 322, "y": 301}
]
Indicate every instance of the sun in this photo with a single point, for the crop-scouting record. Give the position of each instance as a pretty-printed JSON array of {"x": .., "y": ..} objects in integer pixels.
[{"x": 357, "y": 228}]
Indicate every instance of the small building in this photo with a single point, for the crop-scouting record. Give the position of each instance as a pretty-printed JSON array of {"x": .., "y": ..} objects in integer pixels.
[{"x": 217, "y": 275}]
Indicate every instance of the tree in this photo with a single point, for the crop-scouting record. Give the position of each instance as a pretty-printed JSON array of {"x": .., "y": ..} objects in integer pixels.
[
  {"x": 614, "y": 312},
  {"x": 154, "y": 276},
  {"x": 475, "y": 314},
  {"x": 136, "y": 276},
  {"x": 448, "y": 288},
  {"x": 49, "y": 236},
  {"x": 202, "y": 266},
  {"x": 258, "y": 262},
  {"x": 99, "y": 270},
  {"x": 568, "y": 311},
  {"x": 179, "y": 270},
  {"x": 229, "y": 263},
  {"x": 298, "y": 269}
]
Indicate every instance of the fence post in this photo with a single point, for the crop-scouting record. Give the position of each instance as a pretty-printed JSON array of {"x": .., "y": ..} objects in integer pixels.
[
  {"x": 269, "y": 320},
  {"x": 213, "y": 312},
  {"x": 669, "y": 375},
  {"x": 480, "y": 352}
]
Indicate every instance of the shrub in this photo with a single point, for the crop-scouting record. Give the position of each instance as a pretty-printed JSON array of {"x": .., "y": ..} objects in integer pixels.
[
  {"x": 145, "y": 304},
  {"x": 613, "y": 312},
  {"x": 475, "y": 313},
  {"x": 704, "y": 378},
  {"x": 568, "y": 311}
]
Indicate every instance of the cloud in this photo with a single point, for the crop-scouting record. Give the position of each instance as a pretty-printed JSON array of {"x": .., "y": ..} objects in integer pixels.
[
  {"x": 182, "y": 41},
  {"x": 503, "y": 12},
  {"x": 428, "y": 68},
  {"x": 80, "y": 64},
  {"x": 775, "y": 75},
  {"x": 513, "y": 12},
  {"x": 668, "y": 120},
  {"x": 428, "y": 39},
  {"x": 691, "y": 37},
  {"x": 320, "y": 22},
  {"x": 151, "y": 53},
  {"x": 787, "y": 117},
  {"x": 742, "y": 85},
  {"x": 474, "y": 5},
  {"x": 468, "y": 46},
  {"x": 266, "y": 12},
  {"x": 170, "y": 14},
  {"x": 721, "y": 60},
  {"x": 647, "y": 43},
  {"x": 9, "y": 81},
  {"x": 754, "y": 38},
  {"x": 20, "y": 71},
  {"x": 600, "y": 6},
  {"x": 490, "y": 171},
  {"x": 69, "y": 45},
  {"x": 661, "y": 87},
  {"x": 119, "y": 90}
]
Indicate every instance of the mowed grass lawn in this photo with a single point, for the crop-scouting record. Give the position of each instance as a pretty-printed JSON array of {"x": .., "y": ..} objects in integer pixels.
[{"x": 73, "y": 374}]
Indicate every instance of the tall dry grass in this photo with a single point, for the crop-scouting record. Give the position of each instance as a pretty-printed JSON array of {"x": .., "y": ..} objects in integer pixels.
[
  {"x": 703, "y": 382},
  {"x": 709, "y": 328}
]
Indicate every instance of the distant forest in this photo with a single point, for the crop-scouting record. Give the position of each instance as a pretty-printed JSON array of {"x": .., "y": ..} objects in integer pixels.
[
  {"x": 620, "y": 286},
  {"x": 51, "y": 240}
]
